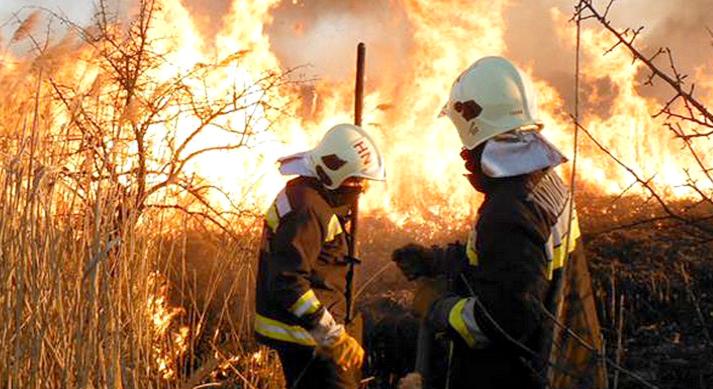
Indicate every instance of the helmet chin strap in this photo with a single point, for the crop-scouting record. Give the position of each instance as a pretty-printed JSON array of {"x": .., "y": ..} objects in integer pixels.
[
  {"x": 343, "y": 195},
  {"x": 472, "y": 158}
]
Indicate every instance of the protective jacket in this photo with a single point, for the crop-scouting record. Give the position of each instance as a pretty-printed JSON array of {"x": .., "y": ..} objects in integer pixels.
[
  {"x": 302, "y": 267},
  {"x": 515, "y": 275}
]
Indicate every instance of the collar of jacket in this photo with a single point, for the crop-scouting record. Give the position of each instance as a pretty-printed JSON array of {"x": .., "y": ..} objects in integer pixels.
[
  {"x": 340, "y": 203},
  {"x": 518, "y": 185}
]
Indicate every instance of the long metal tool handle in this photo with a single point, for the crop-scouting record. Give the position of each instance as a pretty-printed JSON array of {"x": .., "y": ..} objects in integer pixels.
[{"x": 354, "y": 219}]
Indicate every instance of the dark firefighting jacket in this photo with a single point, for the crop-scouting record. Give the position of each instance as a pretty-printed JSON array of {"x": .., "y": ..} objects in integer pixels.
[
  {"x": 505, "y": 315},
  {"x": 301, "y": 270}
]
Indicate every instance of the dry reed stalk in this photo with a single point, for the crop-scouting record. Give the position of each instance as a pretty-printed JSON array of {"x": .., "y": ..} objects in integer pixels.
[
  {"x": 26, "y": 27},
  {"x": 74, "y": 275},
  {"x": 619, "y": 352}
]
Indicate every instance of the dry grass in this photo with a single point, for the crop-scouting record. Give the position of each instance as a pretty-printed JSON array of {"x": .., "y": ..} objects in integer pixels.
[
  {"x": 114, "y": 276},
  {"x": 86, "y": 303},
  {"x": 82, "y": 304}
]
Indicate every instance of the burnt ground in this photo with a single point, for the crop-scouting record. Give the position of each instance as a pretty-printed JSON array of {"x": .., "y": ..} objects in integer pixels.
[{"x": 653, "y": 281}]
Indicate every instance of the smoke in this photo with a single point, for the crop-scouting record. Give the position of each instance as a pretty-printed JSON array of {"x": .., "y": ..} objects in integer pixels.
[
  {"x": 683, "y": 29},
  {"x": 324, "y": 35},
  {"x": 205, "y": 13}
]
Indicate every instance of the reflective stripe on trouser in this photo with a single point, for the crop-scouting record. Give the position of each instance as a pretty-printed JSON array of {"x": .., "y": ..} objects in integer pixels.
[
  {"x": 274, "y": 329},
  {"x": 462, "y": 319},
  {"x": 306, "y": 304}
]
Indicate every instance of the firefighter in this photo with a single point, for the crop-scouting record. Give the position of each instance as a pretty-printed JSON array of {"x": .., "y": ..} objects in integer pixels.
[
  {"x": 302, "y": 272},
  {"x": 515, "y": 301}
]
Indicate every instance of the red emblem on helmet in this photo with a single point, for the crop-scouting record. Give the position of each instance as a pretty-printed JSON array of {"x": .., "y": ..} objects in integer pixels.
[
  {"x": 362, "y": 148},
  {"x": 468, "y": 109}
]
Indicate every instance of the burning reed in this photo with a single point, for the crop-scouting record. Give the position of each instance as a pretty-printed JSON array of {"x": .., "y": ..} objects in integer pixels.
[{"x": 136, "y": 155}]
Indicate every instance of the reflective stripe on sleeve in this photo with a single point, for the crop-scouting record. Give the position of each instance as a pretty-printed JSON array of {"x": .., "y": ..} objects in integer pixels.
[
  {"x": 282, "y": 203},
  {"x": 470, "y": 251},
  {"x": 333, "y": 229},
  {"x": 271, "y": 218},
  {"x": 306, "y": 304},
  {"x": 279, "y": 208},
  {"x": 462, "y": 319},
  {"x": 274, "y": 329},
  {"x": 455, "y": 318},
  {"x": 558, "y": 256}
]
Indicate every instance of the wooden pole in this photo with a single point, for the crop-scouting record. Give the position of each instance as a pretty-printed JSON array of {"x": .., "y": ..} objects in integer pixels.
[{"x": 354, "y": 218}]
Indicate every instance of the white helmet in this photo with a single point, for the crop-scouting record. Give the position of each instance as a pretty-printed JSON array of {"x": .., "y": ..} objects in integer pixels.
[
  {"x": 346, "y": 151},
  {"x": 490, "y": 98}
]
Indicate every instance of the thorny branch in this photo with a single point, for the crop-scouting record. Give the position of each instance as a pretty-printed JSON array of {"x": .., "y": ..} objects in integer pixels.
[
  {"x": 685, "y": 116},
  {"x": 646, "y": 183},
  {"x": 696, "y": 112},
  {"x": 682, "y": 110}
]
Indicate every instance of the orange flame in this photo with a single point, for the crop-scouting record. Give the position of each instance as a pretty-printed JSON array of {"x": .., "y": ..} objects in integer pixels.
[
  {"x": 170, "y": 338},
  {"x": 421, "y": 46}
]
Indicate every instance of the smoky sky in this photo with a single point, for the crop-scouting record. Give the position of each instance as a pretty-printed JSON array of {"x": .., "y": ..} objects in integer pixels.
[
  {"x": 680, "y": 25},
  {"x": 314, "y": 32}
]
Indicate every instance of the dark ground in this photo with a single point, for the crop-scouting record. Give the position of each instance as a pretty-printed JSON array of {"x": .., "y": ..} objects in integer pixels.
[{"x": 652, "y": 280}]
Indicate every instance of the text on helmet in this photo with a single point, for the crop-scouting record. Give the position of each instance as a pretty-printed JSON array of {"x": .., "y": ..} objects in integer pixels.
[{"x": 362, "y": 148}]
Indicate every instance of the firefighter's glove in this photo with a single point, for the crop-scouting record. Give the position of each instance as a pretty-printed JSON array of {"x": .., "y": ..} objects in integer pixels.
[
  {"x": 345, "y": 352},
  {"x": 414, "y": 260},
  {"x": 429, "y": 290},
  {"x": 334, "y": 343}
]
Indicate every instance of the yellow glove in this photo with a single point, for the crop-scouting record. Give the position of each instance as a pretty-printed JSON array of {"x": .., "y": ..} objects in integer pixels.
[
  {"x": 346, "y": 352},
  {"x": 429, "y": 290}
]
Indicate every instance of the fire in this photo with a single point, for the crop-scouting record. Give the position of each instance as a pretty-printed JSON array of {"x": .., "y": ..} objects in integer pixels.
[
  {"x": 415, "y": 49},
  {"x": 170, "y": 338},
  {"x": 627, "y": 127}
]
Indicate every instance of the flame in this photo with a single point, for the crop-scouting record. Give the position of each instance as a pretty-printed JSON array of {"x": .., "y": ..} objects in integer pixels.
[
  {"x": 628, "y": 127},
  {"x": 414, "y": 52},
  {"x": 170, "y": 338}
]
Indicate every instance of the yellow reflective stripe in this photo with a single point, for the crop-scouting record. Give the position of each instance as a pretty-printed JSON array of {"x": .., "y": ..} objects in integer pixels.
[
  {"x": 272, "y": 218},
  {"x": 455, "y": 318},
  {"x": 559, "y": 257},
  {"x": 470, "y": 250},
  {"x": 274, "y": 329},
  {"x": 576, "y": 233},
  {"x": 305, "y": 305},
  {"x": 333, "y": 229},
  {"x": 279, "y": 208},
  {"x": 282, "y": 203}
]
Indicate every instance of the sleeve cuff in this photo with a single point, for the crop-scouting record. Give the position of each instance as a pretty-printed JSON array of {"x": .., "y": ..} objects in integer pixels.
[
  {"x": 462, "y": 319},
  {"x": 326, "y": 331},
  {"x": 307, "y": 304}
]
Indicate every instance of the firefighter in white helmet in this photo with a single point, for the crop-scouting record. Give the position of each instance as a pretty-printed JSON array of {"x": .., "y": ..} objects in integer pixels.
[
  {"x": 523, "y": 263},
  {"x": 301, "y": 280}
]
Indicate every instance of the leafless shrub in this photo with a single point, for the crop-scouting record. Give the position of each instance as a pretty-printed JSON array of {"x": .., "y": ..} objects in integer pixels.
[
  {"x": 684, "y": 114},
  {"x": 96, "y": 196}
]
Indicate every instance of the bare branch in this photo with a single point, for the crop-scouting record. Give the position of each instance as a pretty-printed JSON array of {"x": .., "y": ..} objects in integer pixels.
[
  {"x": 675, "y": 81},
  {"x": 648, "y": 186}
]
